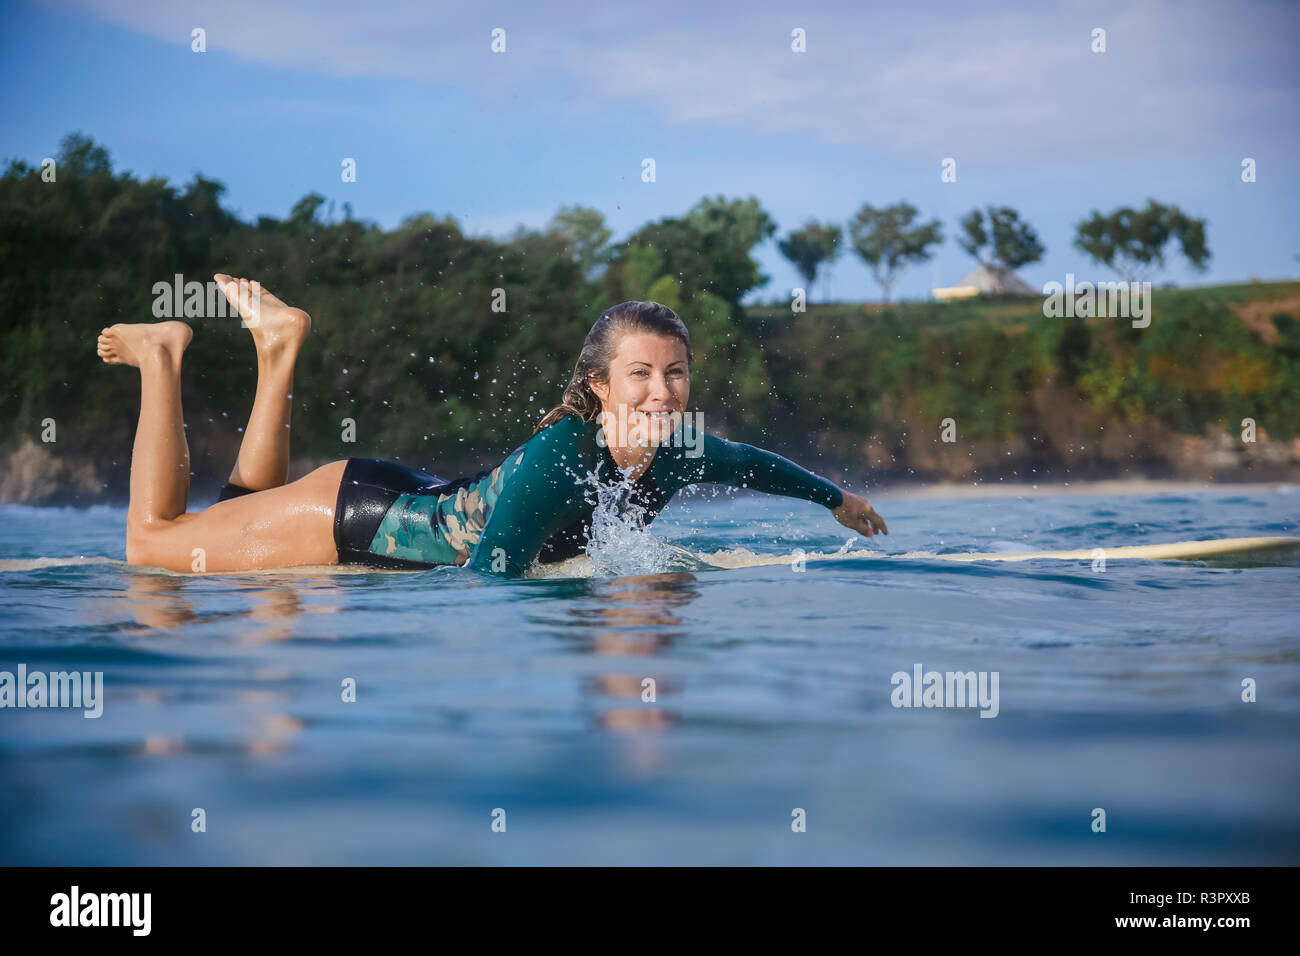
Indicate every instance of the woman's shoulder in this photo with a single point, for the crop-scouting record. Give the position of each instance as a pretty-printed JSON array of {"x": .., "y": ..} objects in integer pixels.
[
  {"x": 569, "y": 433},
  {"x": 567, "y": 427},
  {"x": 568, "y": 421}
]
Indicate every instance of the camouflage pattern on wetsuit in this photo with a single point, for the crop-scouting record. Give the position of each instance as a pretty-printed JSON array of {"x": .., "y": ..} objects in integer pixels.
[{"x": 443, "y": 528}]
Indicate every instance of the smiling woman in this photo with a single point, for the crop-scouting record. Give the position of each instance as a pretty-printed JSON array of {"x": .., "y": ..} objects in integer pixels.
[{"x": 621, "y": 418}]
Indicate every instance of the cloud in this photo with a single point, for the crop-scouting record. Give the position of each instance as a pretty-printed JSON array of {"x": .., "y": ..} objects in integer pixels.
[{"x": 1001, "y": 89}]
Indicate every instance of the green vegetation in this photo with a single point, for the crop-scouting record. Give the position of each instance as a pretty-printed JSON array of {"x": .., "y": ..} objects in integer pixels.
[
  {"x": 811, "y": 247},
  {"x": 407, "y": 344},
  {"x": 1087, "y": 393},
  {"x": 1132, "y": 241},
  {"x": 1006, "y": 243},
  {"x": 887, "y": 241}
]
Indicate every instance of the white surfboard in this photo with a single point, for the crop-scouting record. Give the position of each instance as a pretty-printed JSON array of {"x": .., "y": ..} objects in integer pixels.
[
  {"x": 1175, "y": 551},
  {"x": 742, "y": 558}
]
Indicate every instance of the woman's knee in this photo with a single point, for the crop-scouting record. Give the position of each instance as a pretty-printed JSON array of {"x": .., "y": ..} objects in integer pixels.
[
  {"x": 140, "y": 546},
  {"x": 135, "y": 552},
  {"x": 149, "y": 546}
]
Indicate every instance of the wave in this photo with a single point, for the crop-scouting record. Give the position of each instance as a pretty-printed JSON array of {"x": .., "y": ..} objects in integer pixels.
[{"x": 36, "y": 564}]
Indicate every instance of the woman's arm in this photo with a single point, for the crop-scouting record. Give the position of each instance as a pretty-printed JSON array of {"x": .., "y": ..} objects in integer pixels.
[
  {"x": 542, "y": 495},
  {"x": 745, "y": 466}
]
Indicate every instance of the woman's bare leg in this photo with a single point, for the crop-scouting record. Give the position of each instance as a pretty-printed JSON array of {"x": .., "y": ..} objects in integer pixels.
[
  {"x": 278, "y": 528},
  {"x": 278, "y": 333},
  {"x": 281, "y": 527},
  {"x": 160, "y": 457}
]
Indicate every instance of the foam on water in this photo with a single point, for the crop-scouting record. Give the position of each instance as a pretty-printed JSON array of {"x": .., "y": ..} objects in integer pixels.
[{"x": 35, "y": 564}]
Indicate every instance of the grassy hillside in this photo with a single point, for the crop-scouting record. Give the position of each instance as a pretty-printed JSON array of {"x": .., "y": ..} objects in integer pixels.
[
  {"x": 408, "y": 347},
  {"x": 1031, "y": 395}
]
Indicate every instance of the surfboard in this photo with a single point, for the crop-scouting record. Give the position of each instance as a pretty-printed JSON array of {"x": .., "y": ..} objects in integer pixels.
[
  {"x": 1227, "y": 548},
  {"x": 1224, "y": 548},
  {"x": 1175, "y": 551}
]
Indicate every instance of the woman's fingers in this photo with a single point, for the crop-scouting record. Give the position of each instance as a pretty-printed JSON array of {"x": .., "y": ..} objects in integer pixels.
[
  {"x": 857, "y": 514},
  {"x": 872, "y": 524}
]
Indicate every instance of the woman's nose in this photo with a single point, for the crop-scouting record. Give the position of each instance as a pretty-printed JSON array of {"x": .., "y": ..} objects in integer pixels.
[{"x": 659, "y": 390}]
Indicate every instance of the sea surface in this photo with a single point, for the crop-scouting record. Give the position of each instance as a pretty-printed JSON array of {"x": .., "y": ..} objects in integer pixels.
[{"x": 662, "y": 711}]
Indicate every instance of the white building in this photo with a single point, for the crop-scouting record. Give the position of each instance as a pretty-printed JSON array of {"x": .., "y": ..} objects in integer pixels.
[{"x": 986, "y": 280}]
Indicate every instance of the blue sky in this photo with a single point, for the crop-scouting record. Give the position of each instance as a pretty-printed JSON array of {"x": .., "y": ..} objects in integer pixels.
[{"x": 438, "y": 123}]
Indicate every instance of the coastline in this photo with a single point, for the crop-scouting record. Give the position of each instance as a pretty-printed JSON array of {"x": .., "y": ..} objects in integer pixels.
[
  {"x": 1114, "y": 487},
  {"x": 203, "y": 496}
]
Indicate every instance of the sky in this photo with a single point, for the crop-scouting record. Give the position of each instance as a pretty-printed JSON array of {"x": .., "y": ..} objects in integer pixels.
[{"x": 885, "y": 92}]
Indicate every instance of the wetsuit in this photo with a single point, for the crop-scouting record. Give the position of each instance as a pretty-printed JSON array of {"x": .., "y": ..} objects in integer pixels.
[{"x": 535, "y": 505}]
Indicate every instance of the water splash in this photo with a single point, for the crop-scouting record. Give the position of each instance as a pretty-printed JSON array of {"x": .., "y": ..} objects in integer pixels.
[{"x": 619, "y": 541}]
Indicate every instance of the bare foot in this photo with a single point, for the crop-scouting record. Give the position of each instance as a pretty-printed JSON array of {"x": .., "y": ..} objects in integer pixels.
[
  {"x": 130, "y": 344},
  {"x": 277, "y": 328}
]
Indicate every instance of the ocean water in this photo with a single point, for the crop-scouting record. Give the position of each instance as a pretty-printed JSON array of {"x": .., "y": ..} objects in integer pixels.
[{"x": 480, "y": 700}]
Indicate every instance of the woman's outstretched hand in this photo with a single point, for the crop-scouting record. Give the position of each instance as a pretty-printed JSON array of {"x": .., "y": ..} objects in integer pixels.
[{"x": 855, "y": 513}]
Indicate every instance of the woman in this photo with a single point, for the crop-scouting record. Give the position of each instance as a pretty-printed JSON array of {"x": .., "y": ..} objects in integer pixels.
[{"x": 634, "y": 368}]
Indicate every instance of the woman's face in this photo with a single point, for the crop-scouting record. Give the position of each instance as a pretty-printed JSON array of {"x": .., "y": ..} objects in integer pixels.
[{"x": 649, "y": 385}]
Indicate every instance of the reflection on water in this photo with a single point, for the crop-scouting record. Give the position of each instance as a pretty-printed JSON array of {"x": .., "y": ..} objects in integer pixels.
[
  {"x": 274, "y": 614},
  {"x": 158, "y": 601},
  {"x": 636, "y": 616}
]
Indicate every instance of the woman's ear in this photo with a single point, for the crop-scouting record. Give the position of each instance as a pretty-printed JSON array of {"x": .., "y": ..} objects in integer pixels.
[{"x": 599, "y": 389}]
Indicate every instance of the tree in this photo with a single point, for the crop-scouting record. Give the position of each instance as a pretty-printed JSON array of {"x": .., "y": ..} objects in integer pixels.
[
  {"x": 809, "y": 247},
  {"x": 305, "y": 215},
  {"x": 887, "y": 241},
  {"x": 729, "y": 230},
  {"x": 584, "y": 233},
  {"x": 708, "y": 249},
  {"x": 79, "y": 156},
  {"x": 1131, "y": 241},
  {"x": 1006, "y": 244}
]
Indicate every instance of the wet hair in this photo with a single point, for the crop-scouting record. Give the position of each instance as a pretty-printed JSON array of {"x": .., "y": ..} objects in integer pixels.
[{"x": 598, "y": 351}]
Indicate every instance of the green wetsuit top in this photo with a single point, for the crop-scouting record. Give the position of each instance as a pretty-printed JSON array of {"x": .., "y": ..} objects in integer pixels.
[{"x": 538, "y": 503}]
